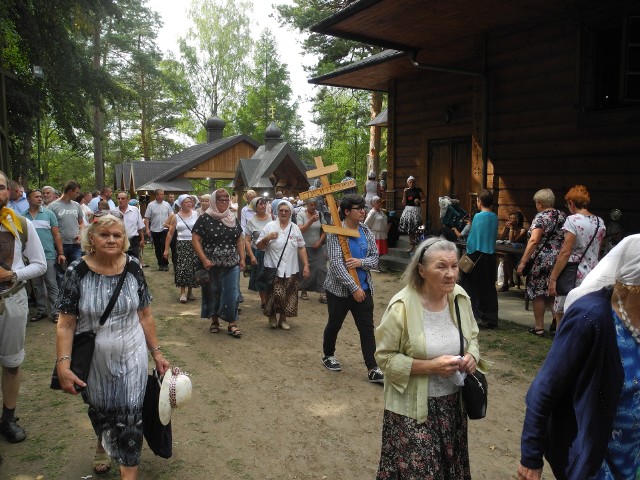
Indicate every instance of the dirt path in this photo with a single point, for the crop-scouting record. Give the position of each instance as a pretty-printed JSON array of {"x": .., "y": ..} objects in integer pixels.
[{"x": 263, "y": 407}]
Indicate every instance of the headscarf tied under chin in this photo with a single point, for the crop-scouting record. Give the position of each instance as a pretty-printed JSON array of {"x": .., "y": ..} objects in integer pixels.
[
  {"x": 227, "y": 217},
  {"x": 288, "y": 204},
  {"x": 620, "y": 264}
]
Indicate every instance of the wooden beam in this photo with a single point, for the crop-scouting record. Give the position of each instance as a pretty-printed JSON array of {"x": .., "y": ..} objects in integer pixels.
[{"x": 318, "y": 172}]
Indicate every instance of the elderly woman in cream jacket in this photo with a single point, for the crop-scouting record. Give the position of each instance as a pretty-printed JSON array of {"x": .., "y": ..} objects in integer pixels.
[{"x": 418, "y": 349}]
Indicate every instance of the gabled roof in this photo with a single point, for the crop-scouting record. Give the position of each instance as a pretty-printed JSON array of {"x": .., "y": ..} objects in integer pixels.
[
  {"x": 144, "y": 172},
  {"x": 257, "y": 171},
  {"x": 191, "y": 157},
  {"x": 177, "y": 185}
]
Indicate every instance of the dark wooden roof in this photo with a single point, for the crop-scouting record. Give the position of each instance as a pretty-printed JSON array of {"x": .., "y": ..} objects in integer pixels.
[
  {"x": 435, "y": 32},
  {"x": 191, "y": 157},
  {"x": 278, "y": 162}
]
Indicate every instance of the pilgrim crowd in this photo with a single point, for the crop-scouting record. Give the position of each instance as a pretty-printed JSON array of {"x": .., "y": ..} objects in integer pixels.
[{"x": 83, "y": 256}]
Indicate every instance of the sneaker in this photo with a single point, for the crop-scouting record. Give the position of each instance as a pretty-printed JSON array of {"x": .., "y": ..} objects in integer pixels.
[
  {"x": 376, "y": 375},
  {"x": 331, "y": 363},
  {"x": 13, "y": 432},
  {"x": 273, "y": 321}
]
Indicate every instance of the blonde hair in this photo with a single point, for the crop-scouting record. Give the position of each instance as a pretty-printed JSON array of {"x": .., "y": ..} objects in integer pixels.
[
  {"x": 100, "y": 222},
  {"x": 545, "y": 197}
]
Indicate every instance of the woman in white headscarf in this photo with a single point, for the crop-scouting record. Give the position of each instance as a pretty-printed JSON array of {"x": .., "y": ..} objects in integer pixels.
[
  {"x": 219, "y": 244},
  {"x": 582, "y": 407},
  {"x": 181, "y": 225},
  {"x": 283, "y": 239}
]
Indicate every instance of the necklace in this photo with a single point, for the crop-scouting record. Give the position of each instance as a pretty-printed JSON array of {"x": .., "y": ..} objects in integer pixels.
[{"x": 635, "y": 332}]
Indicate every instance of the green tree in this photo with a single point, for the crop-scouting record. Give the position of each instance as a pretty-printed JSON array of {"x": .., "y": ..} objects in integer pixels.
[
  {"x": 332, "y": 53},
  {"x": 267, "y": 96},
  {"x": 214, "y": 55}
]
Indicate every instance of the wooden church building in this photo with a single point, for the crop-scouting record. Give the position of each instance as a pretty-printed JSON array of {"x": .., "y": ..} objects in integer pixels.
[{"x": 511, "y": 96}]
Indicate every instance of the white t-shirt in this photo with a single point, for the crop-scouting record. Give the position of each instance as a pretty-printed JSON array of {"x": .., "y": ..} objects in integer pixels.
[{"x": 157, "y": 214}]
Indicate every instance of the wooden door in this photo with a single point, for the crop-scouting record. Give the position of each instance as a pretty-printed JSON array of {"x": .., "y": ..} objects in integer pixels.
[{"x": 448, "y": 173}]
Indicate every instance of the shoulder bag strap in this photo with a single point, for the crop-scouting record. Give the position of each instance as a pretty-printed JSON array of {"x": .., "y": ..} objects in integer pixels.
[
  {"x": 116, "y": 293},
  {"x": 285, "y": 246},
  {"x": 546, "y": 238},
  {"x": 455, "y": 301},
  {"x": 592, "y": 239},
  {"x": 185, "y": 223}
]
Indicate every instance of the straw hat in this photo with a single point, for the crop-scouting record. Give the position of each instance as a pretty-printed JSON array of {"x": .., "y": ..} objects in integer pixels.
[{"x": 174, "y": 393}]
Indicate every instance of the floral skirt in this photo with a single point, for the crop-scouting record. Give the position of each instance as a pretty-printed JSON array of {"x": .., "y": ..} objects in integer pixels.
[
  {"x": 410, "y": 220},
  {"x": 434, "y": 450},
  {"x": 282, "y": 297},
  {"x": 186, "y": 264}
]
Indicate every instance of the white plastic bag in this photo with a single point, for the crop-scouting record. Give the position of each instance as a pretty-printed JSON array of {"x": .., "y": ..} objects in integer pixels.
[{"x": 501, "y": 273}]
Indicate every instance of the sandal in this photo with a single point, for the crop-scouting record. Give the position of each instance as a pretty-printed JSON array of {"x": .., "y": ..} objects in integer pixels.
[
  {"x": 214, "y": 327},
  {"x": 323, "y": 298},
  {"x": 303, "y": 295},
  {"x": 101, "y": 463},
  {"x": 183, "y": 298},
  {"x": 538, "y": 332},
  {"x": 38, "y": 316},
  {"x": 191, "y": 297},
  {"x": 234, "y": 331}
]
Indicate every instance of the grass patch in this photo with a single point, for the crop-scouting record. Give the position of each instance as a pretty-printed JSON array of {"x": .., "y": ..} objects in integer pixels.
[{"x": 513, "y": 344}]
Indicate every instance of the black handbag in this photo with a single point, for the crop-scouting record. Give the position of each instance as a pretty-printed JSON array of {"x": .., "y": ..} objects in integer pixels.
[
  {"x": 567, "y": 279},
  {"x": 475, "y": 390},
  {"x": 268, "y": 274},
  {"x": 85, "y": 342},
  {"x": 158, "y": 436}
]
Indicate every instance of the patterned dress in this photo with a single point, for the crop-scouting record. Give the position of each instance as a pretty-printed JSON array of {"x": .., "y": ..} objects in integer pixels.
[
  {"x": 546, "y": 253},
  {"x": 118, "y": 375},
  {"x": 187, "y": 262}
]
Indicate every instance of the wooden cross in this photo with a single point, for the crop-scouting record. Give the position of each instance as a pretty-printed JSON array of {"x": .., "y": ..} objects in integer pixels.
[{"x": 327, "y": 190}]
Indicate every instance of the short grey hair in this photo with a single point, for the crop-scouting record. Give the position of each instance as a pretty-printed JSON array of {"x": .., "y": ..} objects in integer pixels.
[
  {"x": 545, "y": 197},
  {"x": 424, "y": 253}
]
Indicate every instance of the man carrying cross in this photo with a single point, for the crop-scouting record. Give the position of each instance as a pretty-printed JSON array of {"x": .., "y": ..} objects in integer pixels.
[{"x": 344, "y": 295}]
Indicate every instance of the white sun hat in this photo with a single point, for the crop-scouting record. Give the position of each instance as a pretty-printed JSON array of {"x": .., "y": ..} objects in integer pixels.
[{"x": 174, "y": 393}]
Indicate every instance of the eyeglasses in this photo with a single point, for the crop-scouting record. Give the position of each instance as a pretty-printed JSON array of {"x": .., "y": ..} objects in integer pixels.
[{"x": 358, "y": 208}]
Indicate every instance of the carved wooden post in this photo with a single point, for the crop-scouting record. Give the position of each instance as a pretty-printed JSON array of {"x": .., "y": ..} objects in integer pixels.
[{"x": 327, "y": 190}]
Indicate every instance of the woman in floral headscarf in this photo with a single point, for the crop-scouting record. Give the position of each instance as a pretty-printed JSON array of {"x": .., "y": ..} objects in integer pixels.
[{"x": 219, "y": 244}]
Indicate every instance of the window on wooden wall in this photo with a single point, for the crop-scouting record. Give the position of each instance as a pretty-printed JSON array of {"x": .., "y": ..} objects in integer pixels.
[{"x": 610, "y": 63}]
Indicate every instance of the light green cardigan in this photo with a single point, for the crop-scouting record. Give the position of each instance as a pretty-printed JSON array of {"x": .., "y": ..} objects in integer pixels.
[{"x": 400, "y": 339}]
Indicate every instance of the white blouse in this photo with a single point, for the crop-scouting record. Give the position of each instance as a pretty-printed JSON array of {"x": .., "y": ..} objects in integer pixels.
[{"x": 289, "y": 264}]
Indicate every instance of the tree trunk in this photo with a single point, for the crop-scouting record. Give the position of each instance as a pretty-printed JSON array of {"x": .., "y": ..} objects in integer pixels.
[
  {"x": 98, "y": 120},
  {"x": 373, "y": 159}
]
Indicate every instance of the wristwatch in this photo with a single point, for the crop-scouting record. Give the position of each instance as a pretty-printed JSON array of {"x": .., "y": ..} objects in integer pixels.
[{"x": 14, "y": 277}]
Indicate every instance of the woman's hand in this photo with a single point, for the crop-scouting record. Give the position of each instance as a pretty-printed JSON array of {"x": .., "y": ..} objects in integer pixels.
[
  {"x": 525, "y": 473},
  {"x": 272, "y": 235},
  {"x": 68, "y": 379},
  {"x": 254, "y": 260},
  {"x": 306, "y": 271},
  {"x": 162, "y": 364},
  {"x": 207, "y": 264},
  {"x": 520, "y": 267},
  {"x": 468, "y": 364},
  {"x": 316, "y": 245},
  {"x": 165, "y": 254},
  {"x": 551, "y": 289},
  {"x": 446, "y": 365}
]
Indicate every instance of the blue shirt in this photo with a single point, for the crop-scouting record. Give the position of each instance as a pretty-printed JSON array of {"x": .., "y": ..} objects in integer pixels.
[
  {"x": 19, "y": 206},
  {"x": 483, "y": 234},
  {"x": 93, "y": 204},
  {"x": 44, "y": 220},
  {"x": 358, "y": 249}
]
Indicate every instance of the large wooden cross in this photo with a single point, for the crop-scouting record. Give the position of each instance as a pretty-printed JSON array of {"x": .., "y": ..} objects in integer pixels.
[{"x": 327, "y": 191}]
